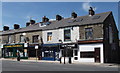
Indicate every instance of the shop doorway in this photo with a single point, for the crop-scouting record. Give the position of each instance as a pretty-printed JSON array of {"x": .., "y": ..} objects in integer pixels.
[
  {"x": 97, "y": 55},
  {"x": 75, "y": 54}
]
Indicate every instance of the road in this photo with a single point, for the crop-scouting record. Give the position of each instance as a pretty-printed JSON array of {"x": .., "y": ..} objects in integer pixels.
[{"x": 8, "y": 65}]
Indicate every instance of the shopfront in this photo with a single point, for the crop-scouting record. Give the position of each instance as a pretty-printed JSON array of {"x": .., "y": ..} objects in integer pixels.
[
  {"x": 32, "y": 51},
  {"x": 68, "y": 51},
  {"x": 11, "y": 50},
  {"x": 50, "y": 52},
  {"x": 91, "y": 51}
]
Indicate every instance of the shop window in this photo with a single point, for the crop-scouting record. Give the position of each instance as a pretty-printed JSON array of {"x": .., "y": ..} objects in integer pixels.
[
  {"x": 62, "y": 53},
  {"x": 88, "y": 33},
  {"x": 87, "y": 54},
  {"x": 9, "y": 52},
  {"x": 35, "y": 38},
  {"x": 22, "y": 38},
  {"x": 67, "y": 53},
  {"x": 67, "y": 34},
  {"x": 49, "y": 36},
  {"x": 49, "y": 54}
]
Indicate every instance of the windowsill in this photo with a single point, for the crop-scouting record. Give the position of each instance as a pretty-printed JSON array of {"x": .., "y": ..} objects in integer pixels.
[{"x": 49, "y": 41}]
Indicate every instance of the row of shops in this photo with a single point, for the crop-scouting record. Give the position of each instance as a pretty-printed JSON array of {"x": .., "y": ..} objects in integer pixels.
[{"x": 78, "y": 52}]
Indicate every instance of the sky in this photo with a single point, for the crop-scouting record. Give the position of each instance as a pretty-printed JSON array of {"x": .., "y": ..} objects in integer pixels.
[{"x": 21, "y": 12}]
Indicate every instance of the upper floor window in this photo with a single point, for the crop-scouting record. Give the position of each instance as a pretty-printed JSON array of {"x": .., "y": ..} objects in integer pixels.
[
  {"x": 67, "y": 34},
  {"x": 110, "y": 34},
  {"x": 35, "y": 38},
  {"x": 49, "y": 36},
  {"x": 9, "y": 39},
  {"x": 88, "y": 33},
  {"x": 22, "y": 38}
]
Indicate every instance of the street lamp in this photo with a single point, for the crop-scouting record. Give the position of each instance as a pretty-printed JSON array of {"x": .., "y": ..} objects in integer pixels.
[{"x": 59, "y": 48}]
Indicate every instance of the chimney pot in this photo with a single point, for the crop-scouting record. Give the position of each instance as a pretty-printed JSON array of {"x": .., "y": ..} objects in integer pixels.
[
  {"x": 27, "y": 24},
  {"x": 91, "y": 11},
  {"x": 74, "y": 15},
  {"x": 45, "y": 19},
  {"x": 5, "y": 28},
  {"x": 58, "y": 17},
  {"x": 16, "y": 26},
  {"x": 32, "y": 21}
]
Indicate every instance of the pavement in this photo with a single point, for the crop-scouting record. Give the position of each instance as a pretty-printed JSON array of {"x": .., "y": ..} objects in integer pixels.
[
  {"x": 43, "y": 65},
  {"x": 47, "y": 61}
]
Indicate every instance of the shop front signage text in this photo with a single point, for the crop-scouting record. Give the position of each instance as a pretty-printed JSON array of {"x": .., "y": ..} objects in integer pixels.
[{"x": 13, "y": 46}]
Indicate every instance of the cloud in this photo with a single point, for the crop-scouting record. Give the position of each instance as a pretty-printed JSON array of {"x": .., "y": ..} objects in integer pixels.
[
  {"x": 87, "y": 5},
  {"x": 52, "y": 19}
]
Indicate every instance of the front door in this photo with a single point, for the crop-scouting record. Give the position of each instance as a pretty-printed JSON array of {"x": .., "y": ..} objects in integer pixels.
[
  {"x": 97, "y": 55},
  {"x": 75, "y": 54}
]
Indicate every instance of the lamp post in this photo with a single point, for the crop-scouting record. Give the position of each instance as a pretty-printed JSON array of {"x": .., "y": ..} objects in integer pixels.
[
  {"x": 64, "y": 54},
  {"x": 59, "y": 48}
]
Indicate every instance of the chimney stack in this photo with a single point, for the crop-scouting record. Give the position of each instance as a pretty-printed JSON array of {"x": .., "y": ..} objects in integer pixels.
[
  {"x": 16, "y": 26},
  {"x": 27, "y": 24},
  {"x": 74, "y": 15},
  {"x": 45, "y": 19},
  {"x": 5, "y": 28},
  {"x": 58, "y": 17},
  {"x": 91, "y": 11},
  {"x": 32, "y": 22}
]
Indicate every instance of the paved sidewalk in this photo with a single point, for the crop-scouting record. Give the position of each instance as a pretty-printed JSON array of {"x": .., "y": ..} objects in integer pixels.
[
  {"x": 77, "y": 63},
  {"x": 31, "y": 60}
]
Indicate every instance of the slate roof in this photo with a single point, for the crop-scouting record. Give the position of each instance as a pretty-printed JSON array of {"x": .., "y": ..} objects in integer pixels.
[{"x": 80, "y": 20}]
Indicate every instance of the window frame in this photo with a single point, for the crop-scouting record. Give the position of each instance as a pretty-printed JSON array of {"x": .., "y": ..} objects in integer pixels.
[
  {"x": 84, "y": 55},
  {"x": 65, "y": 39},
  {"x": 9, "y": 39},
  {"x": 49, "y": 36},
  {"x": 87, "y": 33},
  {"x": 21, "y": 38},
  {"x": 35, "y": 40}
]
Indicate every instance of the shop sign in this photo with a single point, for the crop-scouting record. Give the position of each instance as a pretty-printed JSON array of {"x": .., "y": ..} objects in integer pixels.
[
  {"x": 36, "y": 46},
  {"x": 25, "y": 44},
  {"x": 69, "y": 45},
  {"x": 10, "y": 46}
]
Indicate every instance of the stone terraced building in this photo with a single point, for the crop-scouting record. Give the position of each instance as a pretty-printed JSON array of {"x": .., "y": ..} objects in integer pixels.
[{"x": 90, "y": 38}]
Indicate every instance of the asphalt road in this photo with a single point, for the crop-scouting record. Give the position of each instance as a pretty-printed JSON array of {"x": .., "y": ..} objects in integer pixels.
[{"x": 47, "y": 66}]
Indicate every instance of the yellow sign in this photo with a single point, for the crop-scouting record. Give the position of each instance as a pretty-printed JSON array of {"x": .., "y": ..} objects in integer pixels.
[{"x": 8, "y": 46}]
